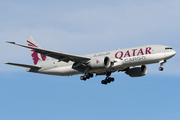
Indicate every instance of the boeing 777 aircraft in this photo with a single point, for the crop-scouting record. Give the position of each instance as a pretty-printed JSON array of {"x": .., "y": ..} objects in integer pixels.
[{"x": 131, "y": 60}]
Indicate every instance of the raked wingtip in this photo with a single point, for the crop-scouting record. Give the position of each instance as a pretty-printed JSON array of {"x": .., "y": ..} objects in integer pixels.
[{"x": 11, "y": 42}]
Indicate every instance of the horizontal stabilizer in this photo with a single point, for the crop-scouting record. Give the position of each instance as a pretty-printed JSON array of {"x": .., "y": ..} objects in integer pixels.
[{"x": 24, "y": 65}]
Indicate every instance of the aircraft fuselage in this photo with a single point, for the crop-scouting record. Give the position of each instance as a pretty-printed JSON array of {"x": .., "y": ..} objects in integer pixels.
[{"x": 120, "y": 59}]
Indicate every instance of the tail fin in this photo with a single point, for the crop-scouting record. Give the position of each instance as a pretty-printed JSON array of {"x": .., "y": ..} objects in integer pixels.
[{"x": 37, "y": 57}]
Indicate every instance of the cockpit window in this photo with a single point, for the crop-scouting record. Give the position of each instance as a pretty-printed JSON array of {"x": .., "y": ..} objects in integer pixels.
[{"x": 168, "y": 48}]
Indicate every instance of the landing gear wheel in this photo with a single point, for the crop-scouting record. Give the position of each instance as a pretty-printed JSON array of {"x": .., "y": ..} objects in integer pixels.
[
  {"x": 103, "y": 82},
  {"x": 82, "y": 78},
  {"x": 161, "y": 68},
  {"x": 108, "y": 80},
  {"x": 87, "y": 76},
  {"x": 91, "y": 75},
  {"x": 112, "y": 79}
]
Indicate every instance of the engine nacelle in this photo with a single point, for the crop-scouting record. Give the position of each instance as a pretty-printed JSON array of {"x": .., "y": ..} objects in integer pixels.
[
  {"x": 100, "y": 62},
  {"x": 137, "y": 71}
]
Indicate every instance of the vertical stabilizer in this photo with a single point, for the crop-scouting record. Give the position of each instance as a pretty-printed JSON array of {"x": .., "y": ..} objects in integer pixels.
[{"x": 37, "y": 57}]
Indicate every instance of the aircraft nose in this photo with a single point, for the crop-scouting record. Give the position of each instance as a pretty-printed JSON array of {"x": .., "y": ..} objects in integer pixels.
[
  {"x": 170, "y": 54},
  {"x": 173, "y": 52}
]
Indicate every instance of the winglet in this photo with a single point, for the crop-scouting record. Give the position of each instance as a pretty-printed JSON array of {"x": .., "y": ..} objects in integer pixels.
[{"x": 11, "y": 42}]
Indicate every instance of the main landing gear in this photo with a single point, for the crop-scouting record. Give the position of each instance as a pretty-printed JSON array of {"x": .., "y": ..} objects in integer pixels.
[
  {"x": 161, "y": 64},
  {"x": 86, "y": 76},
  {"x": 108, "y": 79}
]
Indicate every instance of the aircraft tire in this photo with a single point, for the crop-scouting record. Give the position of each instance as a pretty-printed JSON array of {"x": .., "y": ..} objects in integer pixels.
[
  {"x": 82, "y": 77},
  {"x": 112, "y": 79},
  {"x": 108, "y": 80},
  {"x": 103, "y": 82},
  {"x": 161, "y": 68},
  {"x": 91, "y": 75}
]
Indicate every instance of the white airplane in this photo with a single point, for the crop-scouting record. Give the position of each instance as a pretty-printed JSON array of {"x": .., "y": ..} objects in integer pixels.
[{"x": 131, "y": 60}]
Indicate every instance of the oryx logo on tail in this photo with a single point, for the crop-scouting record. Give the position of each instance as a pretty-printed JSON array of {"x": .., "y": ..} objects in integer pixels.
[{"x": 36, "y": 56}]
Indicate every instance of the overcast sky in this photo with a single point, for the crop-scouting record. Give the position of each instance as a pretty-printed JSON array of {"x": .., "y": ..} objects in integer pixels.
[{"x": 83, "y": 27}]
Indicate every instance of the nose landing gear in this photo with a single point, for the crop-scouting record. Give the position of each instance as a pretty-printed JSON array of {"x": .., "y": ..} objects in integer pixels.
[{"x": 161, "y": 64}]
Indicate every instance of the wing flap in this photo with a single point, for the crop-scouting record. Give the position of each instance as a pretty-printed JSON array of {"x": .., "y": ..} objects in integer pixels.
[
  {"x": 23, "y": 65},
  {"x": 54, "y": 54}
]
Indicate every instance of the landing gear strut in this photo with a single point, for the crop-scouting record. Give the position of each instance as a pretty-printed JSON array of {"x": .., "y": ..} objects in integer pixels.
[
  {"x": 161, "y": 64},
  {"x": 86, "y": 76},
  {"x": 108, "y": 79}
]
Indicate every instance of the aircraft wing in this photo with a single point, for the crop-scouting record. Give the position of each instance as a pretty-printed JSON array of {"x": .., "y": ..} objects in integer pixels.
[
  {"x": 57, "y": 55},
  {"x": 23, "y": 65}
]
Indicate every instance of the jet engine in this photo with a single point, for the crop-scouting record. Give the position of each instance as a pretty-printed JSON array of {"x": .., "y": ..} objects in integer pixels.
[
  {"x": 137, "y": 71},
  {"x": 100, "y": 62}
]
